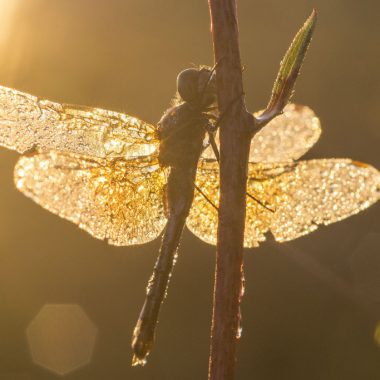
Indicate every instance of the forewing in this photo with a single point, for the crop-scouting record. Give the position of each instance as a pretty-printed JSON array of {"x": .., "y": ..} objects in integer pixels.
[
  {"x": 289, "y": 199},
  {"x": 286, "y": 137},
  {"x": 27, "y": 122},
  {"x": 118, "y": 200},
  {"x": 320, "y": 192}
]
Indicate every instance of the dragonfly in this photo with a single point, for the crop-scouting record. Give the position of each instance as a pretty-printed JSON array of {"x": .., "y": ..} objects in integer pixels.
[{"x": 126, "y": 181}]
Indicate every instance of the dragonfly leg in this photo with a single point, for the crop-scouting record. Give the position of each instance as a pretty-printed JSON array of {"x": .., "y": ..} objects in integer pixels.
[
  {"x": 258, "y": 201},
  {"x": 206, "y": 197},
  {"x": 211, "y": 138},
  {"x": 212, "y": 71},
  {"x": 217, "y": 156},
  {"x": 211, "y": 128}
]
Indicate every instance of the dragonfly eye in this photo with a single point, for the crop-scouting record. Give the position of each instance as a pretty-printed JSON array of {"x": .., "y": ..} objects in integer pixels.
[
  {"x": 196, "y": 86},
  {"x": 187, "y": 84}
]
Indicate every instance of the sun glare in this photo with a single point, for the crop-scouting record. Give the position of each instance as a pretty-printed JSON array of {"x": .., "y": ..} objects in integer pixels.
[{"x": 7, "y": 12}]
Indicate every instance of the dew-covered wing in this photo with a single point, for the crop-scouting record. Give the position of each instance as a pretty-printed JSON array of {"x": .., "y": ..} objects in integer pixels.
[
  {"x": 27, "y": 122},
  {"x": 287, "y": 137},
  {"x": 203, "y": 217},
  {"x": 118, "y": 200},
  {"x": 289, "y": 199},
  {"x": 322, "y": 192}
]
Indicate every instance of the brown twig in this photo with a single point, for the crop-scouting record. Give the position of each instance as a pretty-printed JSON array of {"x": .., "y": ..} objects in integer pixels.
[
  {"x": 236, "y": 129},
  {"x": 235, "y": 141}
]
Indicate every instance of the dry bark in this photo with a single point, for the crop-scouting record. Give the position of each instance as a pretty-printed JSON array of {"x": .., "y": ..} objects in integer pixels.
[{"x": 234, "y": 150}]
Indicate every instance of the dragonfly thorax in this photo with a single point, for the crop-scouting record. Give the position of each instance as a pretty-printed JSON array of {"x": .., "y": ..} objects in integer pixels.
[
  {"x": 182, "y": 128},
  {"x": 181, "y": 132}
]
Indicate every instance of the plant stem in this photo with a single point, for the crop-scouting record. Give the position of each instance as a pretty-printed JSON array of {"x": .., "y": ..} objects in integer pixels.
[{"x": 234, "y": 142}]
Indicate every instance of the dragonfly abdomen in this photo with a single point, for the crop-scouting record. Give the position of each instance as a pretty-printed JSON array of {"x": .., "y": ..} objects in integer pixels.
[{"x": 180, "y": 193}]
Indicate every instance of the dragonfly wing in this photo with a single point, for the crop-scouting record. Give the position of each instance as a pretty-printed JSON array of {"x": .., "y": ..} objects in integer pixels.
[
  {"x": 27, "y": 122},
  {"x": 287, "y": 137},
  {"x": 203, "y": 217},
  {"x": 289, "y": 199},
  {"x": 118, "y": 200},
  {"x": 320, "y": 192}
]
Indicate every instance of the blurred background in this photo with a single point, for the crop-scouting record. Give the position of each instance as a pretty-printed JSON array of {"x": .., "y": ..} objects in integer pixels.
[{"x": 68, "y": 302}]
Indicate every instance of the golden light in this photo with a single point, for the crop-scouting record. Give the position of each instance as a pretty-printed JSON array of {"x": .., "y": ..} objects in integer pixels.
[{"x": 7, "y": 12}]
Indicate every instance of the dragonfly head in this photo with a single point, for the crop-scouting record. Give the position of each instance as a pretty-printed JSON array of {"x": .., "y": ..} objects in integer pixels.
[{"x": 197, "y": 86}]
